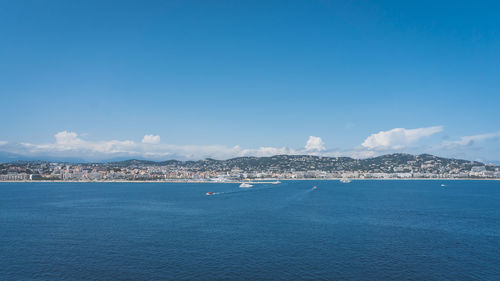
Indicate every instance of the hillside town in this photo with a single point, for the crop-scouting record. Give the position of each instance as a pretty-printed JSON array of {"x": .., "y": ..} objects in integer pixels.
[{"x": 392, "y": 166}]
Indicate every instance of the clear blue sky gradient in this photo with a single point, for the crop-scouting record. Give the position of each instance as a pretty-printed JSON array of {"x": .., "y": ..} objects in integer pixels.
[{"x": 249, "y": 73}]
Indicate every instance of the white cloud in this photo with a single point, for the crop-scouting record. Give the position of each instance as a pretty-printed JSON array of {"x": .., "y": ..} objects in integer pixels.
[
  {"x": 315, "y": 144},
  {"x": 3, "y": 143},
  {"x": 151, "y": 139},
  {"x": 398, "y": 138},
  {"x": 469, "y": 140}
]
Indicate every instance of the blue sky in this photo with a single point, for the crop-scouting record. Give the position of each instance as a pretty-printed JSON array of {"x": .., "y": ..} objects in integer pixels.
[{"x": 220, "y": 79}]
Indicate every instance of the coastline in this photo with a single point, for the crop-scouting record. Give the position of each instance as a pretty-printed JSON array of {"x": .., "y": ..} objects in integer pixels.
[{"x": 261, "y": 181}]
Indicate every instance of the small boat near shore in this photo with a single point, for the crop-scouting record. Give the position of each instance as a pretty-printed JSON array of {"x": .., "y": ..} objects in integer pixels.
[
  {"x": 209, "y": 193},
  {"x": 345, "y": 180},
  {"x": 276, "y": 182},
  {"x": 245, "y": 185}
]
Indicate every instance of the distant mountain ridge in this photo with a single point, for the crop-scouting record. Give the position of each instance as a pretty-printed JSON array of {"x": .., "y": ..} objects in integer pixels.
[{"x": 389, "y": 163}]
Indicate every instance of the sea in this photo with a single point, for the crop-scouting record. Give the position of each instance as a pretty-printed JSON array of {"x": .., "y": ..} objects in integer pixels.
[{"x": 363, "y": 230}]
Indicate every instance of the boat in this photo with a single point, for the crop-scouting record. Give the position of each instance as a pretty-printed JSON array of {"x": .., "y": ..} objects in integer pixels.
[
  {"x": 314, "y": 187},
  {"x": 209, "y": 193},
  {"x": 443, "y": 185},
  {"x": 245, "y": 185},
  {"x": 345, "y": 180},
  {"x": 276, "y": 182}
]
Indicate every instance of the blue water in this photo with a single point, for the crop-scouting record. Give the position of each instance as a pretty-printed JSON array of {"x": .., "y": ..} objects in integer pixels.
[{"x": 364, "y": 230}]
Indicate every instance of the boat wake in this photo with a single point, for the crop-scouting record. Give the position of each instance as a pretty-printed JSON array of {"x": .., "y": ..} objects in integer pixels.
[
  {"x": 299, "y": 196},
  {"x": 241, "y": 190}
]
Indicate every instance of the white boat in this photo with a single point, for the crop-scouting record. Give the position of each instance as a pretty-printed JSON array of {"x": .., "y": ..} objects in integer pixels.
[
  {"x": 345, "y": 180},
  {"x": 443, "y": 185},
  {"x": 245, "y": 185},
  {"x": 276, "y": 182}
]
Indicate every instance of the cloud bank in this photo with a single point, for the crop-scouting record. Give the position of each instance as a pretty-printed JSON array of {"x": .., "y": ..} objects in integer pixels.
[
  {"x": 398, "y": 138},
  {"x": 69, "y": 144},
  {"x": 469, "y": 140}
]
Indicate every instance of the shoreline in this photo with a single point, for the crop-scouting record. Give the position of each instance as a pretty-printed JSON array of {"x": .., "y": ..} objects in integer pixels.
[{"x": 261, "y": 181}]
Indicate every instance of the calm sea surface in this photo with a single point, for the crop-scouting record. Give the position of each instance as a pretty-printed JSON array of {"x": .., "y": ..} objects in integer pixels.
[{"x": 385, "y": 230}]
